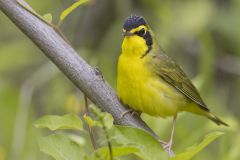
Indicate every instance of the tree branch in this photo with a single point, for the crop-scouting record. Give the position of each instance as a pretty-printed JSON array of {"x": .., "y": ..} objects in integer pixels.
[{"x": 85, "y": 77}]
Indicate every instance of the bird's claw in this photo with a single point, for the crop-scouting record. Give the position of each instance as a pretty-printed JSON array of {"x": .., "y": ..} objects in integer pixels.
[
  {"x": 167, "y": 147},
  {"x": 132, "y": 113}
]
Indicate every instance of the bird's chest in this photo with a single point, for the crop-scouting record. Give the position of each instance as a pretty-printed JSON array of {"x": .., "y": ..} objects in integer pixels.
[
  {"x": 131, "y": 83},
  {"x": 131, "y": 80},
  {"x": 142, "y": 90}
]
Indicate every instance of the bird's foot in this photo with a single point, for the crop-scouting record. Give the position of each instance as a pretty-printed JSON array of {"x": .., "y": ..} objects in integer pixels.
[
  {"x": 167, "y": 147},
  {"x": 133, "y": 112}
]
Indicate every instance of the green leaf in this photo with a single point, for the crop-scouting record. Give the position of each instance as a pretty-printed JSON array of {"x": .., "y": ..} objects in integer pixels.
[
  {"x": 107, "y": 120},
  {"x": 91, "y": 122},
  {"x": 54, "y": 122},
  {"x": 193, "y": 150},
  {"x": 149, "y": 147},
  {"x": 77, "y": 139},
  {"x": 116, "y": 151},
  {"x": 60, "y": 147},
  {"x": 103, "y": 118},
  {"x": 47, "y": 17},
  {"x": 67, "y": 11}
]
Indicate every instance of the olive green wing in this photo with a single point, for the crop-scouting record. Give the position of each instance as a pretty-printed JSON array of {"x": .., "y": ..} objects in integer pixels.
[{"x": 171, "y": 72}]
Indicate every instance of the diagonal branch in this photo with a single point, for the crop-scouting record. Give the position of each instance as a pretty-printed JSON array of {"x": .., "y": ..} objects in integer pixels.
[{"x": 86, "y": 78}]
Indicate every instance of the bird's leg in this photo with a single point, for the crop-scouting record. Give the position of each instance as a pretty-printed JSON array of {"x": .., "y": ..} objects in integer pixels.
[{"x": 168, "y": 146}]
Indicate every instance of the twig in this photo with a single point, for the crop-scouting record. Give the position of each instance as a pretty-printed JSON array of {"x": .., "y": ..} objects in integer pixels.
[
  {"x": 88, "y": 127},
  {"x": 25, "y": 6},
  {"x": 108, "y": 141}
]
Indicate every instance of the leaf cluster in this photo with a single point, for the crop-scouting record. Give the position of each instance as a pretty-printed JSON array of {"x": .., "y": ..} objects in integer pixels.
[{"x": 126, "y": 142}]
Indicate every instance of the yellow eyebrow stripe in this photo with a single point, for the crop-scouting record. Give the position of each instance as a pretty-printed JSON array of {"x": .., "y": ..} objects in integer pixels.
[{"x": 138, "y": 28}]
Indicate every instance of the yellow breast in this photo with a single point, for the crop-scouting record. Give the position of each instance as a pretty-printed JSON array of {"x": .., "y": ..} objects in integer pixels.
[{"x": 140, "y": 89}]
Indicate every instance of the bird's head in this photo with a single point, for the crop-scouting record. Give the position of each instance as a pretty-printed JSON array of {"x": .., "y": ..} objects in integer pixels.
[{"x": 137, "y": 35}]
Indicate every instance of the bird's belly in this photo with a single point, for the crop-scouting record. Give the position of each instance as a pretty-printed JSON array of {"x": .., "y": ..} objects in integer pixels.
[
  {"x": 149, "y": 94},
  {"x": 162, "y": 99}
]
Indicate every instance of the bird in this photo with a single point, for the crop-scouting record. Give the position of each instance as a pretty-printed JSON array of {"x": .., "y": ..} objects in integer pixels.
[{"x": 149, "y": 81}]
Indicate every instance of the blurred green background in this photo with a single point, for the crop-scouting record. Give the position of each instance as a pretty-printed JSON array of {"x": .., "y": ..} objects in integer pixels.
[{"x": 202, "y": 35}]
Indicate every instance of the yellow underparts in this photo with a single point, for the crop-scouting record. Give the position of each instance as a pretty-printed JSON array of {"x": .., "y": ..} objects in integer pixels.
[{"x": 139, "y": 87}]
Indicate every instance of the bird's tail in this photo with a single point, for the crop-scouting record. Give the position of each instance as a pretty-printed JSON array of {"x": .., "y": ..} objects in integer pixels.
[
  {"x": 215, "y": 119},
  {"x": 198, "y": 110}
]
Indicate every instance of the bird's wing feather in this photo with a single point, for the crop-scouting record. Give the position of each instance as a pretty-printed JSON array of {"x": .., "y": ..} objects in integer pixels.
[{"x": 171, "y": 72}]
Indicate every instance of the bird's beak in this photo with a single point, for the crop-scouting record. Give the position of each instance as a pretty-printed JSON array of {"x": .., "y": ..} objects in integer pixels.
[{"x": 127, "y": 34}]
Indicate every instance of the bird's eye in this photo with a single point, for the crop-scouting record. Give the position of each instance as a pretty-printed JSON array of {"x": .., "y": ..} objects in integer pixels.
[{"x": 142, "y": 32}]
